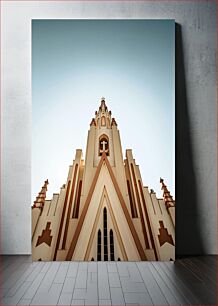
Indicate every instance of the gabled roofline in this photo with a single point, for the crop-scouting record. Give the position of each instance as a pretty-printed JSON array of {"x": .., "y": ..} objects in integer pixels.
[{"x": 86, "y": 206}]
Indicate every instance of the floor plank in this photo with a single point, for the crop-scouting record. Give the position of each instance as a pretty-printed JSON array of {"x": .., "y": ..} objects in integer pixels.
[
  {"x": 165, "y": 288},
  {"x": 29, "y": 275},
  {"x": 48, "y": 298},
  {"x": 155, "y": 292},
  {"x": 14, "y": 300},
  {"x": 188, "y": 281},
  {"x": 202, "y": 290},
  {"x": 209, "y": 274},
  {"x": 103, "y": 282},
  {"x": 171, "y": 270}
]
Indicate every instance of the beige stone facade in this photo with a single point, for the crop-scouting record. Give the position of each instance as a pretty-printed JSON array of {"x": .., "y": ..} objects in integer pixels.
[{"x": 103, "y": 212}]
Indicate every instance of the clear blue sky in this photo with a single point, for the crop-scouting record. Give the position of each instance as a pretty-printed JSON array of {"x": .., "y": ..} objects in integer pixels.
[{"x": 129, "y": 62}]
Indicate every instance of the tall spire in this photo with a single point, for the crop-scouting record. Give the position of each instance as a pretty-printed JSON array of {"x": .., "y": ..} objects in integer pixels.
[
  {"x": 103, "y": 106},
  {"x": 168, "y": 199},
  {"x": 102, "y": 116},
  {"x": 40, "y": 199}
]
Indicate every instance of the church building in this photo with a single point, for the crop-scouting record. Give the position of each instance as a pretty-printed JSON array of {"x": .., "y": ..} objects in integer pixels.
[{"x": 103, "y": 212}]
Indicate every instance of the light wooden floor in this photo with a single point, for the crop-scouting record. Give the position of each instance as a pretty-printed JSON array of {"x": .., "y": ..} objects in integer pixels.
[{"x": 188, "y": 281}]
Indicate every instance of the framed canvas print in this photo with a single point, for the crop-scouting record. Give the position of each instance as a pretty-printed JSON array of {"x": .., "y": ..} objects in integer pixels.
[{"x": 103, "y": 125}]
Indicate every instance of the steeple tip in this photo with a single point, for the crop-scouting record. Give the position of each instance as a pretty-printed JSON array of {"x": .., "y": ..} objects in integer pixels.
[
  {"x": 103, "y": 116},
  {"x": 103, "y": 105}
]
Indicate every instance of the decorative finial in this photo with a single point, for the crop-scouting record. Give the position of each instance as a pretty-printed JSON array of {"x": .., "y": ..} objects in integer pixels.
[
  {"x": 103, "y": 110},
  {"x": 103, "y": 105},
  {"x": 113, "y": 122},
  {"x": 40, "y": 199},
  {"x": 168, "y": 199},
  {"x": 93, "y": 122}
]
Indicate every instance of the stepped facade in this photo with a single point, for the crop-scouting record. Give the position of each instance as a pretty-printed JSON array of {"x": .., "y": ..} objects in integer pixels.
[{"x": 103, "y": 212}]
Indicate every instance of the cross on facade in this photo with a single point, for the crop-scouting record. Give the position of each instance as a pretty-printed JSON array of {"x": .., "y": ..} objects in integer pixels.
[{"x": 104, "y": 144}]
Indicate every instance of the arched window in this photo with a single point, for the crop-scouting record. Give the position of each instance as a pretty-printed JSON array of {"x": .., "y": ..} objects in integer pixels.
[
  {"x": 105, "y": 234},
  {"x": 99, "y": 246},
  {"x": 103, "y": 121},
  {"x": 92, "y": 259},
  {"x": 112, "y": 245},
  {"x": 103, "y": 145}
]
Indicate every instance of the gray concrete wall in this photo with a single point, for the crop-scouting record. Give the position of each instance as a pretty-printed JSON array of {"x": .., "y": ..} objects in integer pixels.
[{"x": 195, "y": 109}]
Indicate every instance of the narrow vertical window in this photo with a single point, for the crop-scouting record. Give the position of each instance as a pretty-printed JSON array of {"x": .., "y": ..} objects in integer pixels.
[
  {"x": 132, "y": 204},
  {"x": 76, "y": 207},
  {"x": 140, "y": 209},
  {"x": 105, "y": 235},
  {"x": 136, "y": 190},
  {"x": 99, "y": 246},
  {"x": 112, "y": 245},
  {"x": 69, "y": 207}
]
